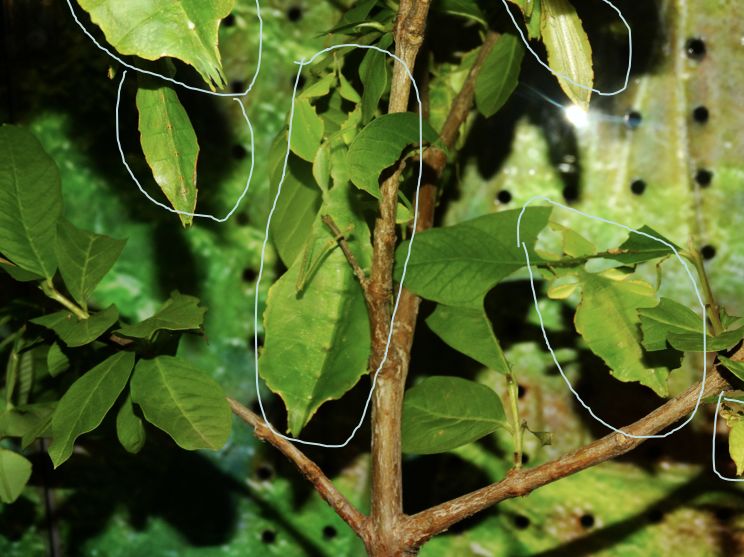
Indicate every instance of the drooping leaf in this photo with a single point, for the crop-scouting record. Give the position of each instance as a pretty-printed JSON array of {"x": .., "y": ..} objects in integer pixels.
[
  {"x": 296, "y": 207},
  {"x": 57, "y": 361},
  {"x": 458, "y": 265},
  {"x": 86, "y": 403},
  {"x": 442, "y": 413},
  {"x": 736, "y": 446},
  {"x": 637, "y": 248},
  {"x": 129, "y": 427},
  {"x": 15, "y": 471},
  {"x": 77, "y": 332},
  {"x": 169, "y": 143},
  {"x": 307, "y": 130},
  {"x": 373, "y": 73},
  {"x": 735, "y": 367},
  {"x": 27, "y": 421},
  {"x": 84, "y": 258},
  {"x": 30, "y": 202},
  {"x": 681, "y": 327},
  {"x": 468, "y": 9},
  {"x": 499, "y": 75},
  {"x": 569, "y": 51},
  {"x": 179, "y": 313},
  {"x": 380, "y": 144},
  {"x": 607, "y": 319},
  {"x": 152, "y": 29},
  {"x": 469, "y": 331},
  {"x": 319, "y": 88},
  {"x": 183, "y": 401},
  {"x": 317, "y": 337}
]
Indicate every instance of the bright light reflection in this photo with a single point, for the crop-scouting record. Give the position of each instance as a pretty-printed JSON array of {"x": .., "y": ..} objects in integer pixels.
[{"x": 576, "y": 116}]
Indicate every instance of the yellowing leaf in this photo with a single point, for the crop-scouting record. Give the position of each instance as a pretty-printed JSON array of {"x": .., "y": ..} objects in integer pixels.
[
  {"x": 569, "y": 51},
  {"x": 736, "y": 446},
  {"x": 152, "y": 29}
]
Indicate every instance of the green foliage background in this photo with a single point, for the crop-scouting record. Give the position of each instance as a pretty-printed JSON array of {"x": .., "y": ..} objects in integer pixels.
[{"x": 244, "y": 500}]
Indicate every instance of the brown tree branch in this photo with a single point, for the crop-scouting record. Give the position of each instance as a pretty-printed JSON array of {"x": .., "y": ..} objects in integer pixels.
[
  {"x": 344, "y": 245},
  {"x": 387, "y": 403},
  {"x": 424, "y": 525},
  {"x": 309, "y": 469}
]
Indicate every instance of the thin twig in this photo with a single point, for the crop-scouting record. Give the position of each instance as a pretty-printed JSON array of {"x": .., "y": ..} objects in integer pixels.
[
  {"x": 344, "y": 245},
  {"x": 424, "y": 525},
  {"x": 309, "y": 469}
]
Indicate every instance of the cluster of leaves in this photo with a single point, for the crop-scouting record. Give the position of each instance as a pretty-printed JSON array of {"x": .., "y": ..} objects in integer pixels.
[{"x": 68, "y": 364}]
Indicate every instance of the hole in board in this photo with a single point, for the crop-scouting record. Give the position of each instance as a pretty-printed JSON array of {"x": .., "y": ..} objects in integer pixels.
[
  {"x": 504, "y": 196},
  {"x": 294, "y": 14},
  {"x": 703, "y": 177},
  {"x": 329, "y": 532},
  {"x": 700, "y": 114},
  {"x": 708, "y": 252},
  {"x": 268, "y": 536},
  {"x": 695, "y": 48},
  {"x": 633, "y": 119},
  {"x": 587, "y": 520},
  {"x": 521, "y": 522}
]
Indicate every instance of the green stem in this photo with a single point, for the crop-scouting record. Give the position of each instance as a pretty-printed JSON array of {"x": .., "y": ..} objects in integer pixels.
[
  {"x": 51, "y": 292},
  {"x": 517, "y": 430},
  {"x": 710, "y": 301}
]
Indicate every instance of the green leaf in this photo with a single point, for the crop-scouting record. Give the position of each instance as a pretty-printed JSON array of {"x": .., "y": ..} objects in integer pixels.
[
  {"x": 19, "y": 274},
  {"x": 84, "y": 258},
  {"x": 129, "y": 427},
  {"x": 183, "y": 401},
  {"x": 86, "y": 403},
  {"x": 317, "y": 338},
  {"x": 637, "y": 248},
  {"x": 737, "y": 368},
  {"x": 442, "y": 413},
  {"x": 569, "y": 51},
  {"x": 169, "y": 143},
  {"x": 57, "y": 361},
  {"x": 373, "y": 73},
  {"x": 607, "y": 319},
  {"x": 380, "y": 144},
  {"x": 691, "y": 342},
  {"x": 499, "y": 75},
  {"x": 736, "y": 446},
  {"x": 458, "y": 265},
  {"x": 296, "y": 207},
  {"x": 179, "y": 313},
  {"x": 78, "y": 332},
  {"x": 469, "y": 331},
  {"x": 467, "y": 9},
  {"x": 347, "y": 91},
  {"x": 319, "y": 88},
  {"x": 677, "y": 324},
  {"x": 30, "y": 202},
  {"x": 27, "y": 421},
  {"x": 307, "y": 130},
  {"x": 15, "y": 471},
  {"x": 152, "y": 29}
]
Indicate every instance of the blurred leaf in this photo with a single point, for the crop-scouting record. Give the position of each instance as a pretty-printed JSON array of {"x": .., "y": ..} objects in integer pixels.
[
  {"x": 499, "y": 75},
  {"x": 57, "y": 361},
  {"x": 152, "y": 29},
  {"x": 442, "y": 413},
  {"x": 30, "y": 202},
  {"x": 569, "y": 51},
  {"x": 169, "y": 143},
  {"x": 607, "y": 320},
  {"x": 84, "y": 258},
  {"x": 736, "y": 446},
  {"x": 317, "y": 339},
  {"x": 468, "y": 9},
  {"x": 469, "y": 331},
  {"x": 457, "y": 265},
  {"x": 179, "y": 313},
  {"x": 15, "y": 471},
  {"x": 77, "y": 332},
  {"x": 307, "y": 130},
  {"x": 183, "y": 401},
  {"x": 380, "y": 144},
  {"x": 129, "y": 427},
  {"x": 86, "y": 403}
]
